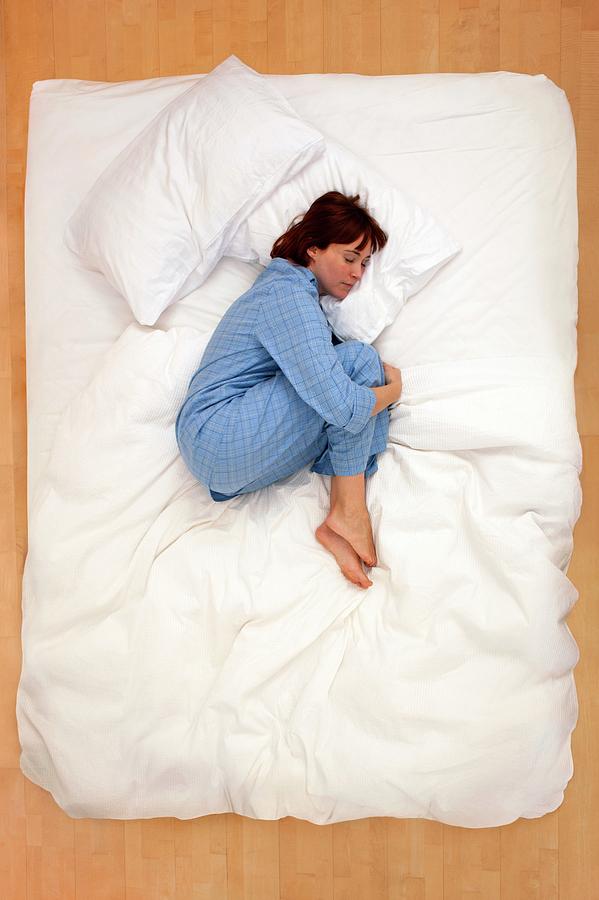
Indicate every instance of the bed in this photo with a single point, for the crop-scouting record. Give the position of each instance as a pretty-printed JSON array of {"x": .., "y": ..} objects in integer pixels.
[{"x": 183, "y": 657}]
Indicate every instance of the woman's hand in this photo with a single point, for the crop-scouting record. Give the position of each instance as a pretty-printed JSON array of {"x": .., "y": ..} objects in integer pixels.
[
  {"x": 392, "y": 375},
  {"x": 388, "y": 394}
]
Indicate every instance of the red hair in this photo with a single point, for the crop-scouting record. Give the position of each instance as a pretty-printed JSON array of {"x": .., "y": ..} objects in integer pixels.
[{"x": 332, "y": 218}]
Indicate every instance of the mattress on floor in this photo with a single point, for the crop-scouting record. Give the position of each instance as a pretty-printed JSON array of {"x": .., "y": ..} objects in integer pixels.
[{"x": 183, "y": 657}]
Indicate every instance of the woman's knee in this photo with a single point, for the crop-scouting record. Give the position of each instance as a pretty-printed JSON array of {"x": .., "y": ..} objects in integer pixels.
[{"x": 362, "y": 362}]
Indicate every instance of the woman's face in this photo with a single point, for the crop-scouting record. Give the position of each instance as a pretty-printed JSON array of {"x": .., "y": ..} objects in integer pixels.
[{"x": 338, "y": 267}]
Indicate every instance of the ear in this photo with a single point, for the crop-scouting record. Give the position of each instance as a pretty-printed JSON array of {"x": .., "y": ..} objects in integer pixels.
[{"x": 311, "y": 251}]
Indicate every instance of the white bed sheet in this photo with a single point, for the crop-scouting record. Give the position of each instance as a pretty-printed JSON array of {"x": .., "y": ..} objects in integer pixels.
[{"x": 169, "y": 666}]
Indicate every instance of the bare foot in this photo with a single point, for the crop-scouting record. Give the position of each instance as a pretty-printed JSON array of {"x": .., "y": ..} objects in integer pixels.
[
  {"x": 356, "y": 529},
  {"x": 347, "y": 558}
]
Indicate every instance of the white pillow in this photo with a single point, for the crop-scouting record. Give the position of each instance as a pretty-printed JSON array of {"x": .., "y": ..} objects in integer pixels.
[
  {"x": 417, "y": 247},
  {"x": 160, "y": 216}
]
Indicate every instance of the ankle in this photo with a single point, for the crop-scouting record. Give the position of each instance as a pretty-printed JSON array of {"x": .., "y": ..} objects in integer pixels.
[
  {"x": 349, "y": 509},
  {"x": 348, "y": 494}
]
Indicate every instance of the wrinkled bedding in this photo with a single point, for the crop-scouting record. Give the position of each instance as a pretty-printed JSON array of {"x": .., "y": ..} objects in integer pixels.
[{"x": 183, "y": 657}]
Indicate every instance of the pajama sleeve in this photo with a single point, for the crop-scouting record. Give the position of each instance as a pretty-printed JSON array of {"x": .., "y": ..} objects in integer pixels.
[{"x": 291, "y": 326}]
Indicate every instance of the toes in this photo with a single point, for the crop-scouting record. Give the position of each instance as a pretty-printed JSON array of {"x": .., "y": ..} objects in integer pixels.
[
  {"x": 362, "y": 581},
  {"x": 369, "y": 555}
]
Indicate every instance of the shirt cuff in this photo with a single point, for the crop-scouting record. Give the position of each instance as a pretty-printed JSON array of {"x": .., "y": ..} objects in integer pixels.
[{"x": 364, "y": 404}]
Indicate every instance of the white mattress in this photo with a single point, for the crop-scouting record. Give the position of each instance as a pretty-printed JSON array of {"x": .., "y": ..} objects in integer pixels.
[{"x": 171, "y": 666}]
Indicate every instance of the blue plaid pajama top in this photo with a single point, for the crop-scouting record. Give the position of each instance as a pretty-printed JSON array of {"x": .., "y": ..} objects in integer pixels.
[{"x": 276, "y": 325}]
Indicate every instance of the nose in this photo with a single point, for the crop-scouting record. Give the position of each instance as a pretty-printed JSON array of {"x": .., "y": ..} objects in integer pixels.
[{"x": 356, "y": 270}]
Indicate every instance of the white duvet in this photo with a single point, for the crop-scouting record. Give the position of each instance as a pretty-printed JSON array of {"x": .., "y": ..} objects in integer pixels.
[{"x": 183, "y": 658}]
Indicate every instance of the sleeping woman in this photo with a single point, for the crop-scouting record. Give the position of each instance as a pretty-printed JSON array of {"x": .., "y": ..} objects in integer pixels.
[{"x": 274, "y": 393}]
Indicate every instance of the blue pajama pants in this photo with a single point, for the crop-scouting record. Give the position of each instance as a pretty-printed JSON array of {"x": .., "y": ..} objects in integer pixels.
[{"x": 269, "y": 433}]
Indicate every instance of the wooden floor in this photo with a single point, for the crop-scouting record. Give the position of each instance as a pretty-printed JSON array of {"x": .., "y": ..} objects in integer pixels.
[{"x": 44, "y": 853}]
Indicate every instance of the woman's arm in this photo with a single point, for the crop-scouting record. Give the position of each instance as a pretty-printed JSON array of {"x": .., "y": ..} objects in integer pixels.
[
  {"x": 389, "y": 393},
  {"x": 391, "y": 390},
  {"x": 291, "y": 326}
]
